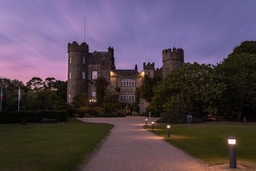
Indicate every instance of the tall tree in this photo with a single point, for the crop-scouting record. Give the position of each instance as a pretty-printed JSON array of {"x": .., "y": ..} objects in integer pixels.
[
  {"x": 35, "y": 84},
  {"x": 101, "y": 86}
]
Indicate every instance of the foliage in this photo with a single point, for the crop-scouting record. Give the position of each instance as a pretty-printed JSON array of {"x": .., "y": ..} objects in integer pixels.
[
  {"x": 46, "y": 100},
  {"x": 238, "y": 71},
  {"x": 32, "y": 116},
  {"x": 194, "y": 89},
  {"x": 101, "y": 86},
  {"x": 248, "y": 47},
  {"x": 146, "y": 89},
  {"x": 80, "y": 101}
]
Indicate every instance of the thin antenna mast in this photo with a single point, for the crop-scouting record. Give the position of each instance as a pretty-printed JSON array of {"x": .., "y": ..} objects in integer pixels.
[
  {"x": 177, "y": 38},
  {"x": 84, "y": 27}
]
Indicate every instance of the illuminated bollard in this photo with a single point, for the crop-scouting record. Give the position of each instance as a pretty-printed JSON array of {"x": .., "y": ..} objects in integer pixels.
[
  {"x": 232, "y": 151},
  {"x": 153, "y": 126},
  {"x": 146, "y": 121},
  {"x": 168, "y": 130}
]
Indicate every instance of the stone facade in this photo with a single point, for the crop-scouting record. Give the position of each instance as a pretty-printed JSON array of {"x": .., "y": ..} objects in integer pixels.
[{"x": 85, "y": 67}]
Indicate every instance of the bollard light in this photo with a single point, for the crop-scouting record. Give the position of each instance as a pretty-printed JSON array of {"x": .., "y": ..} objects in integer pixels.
[
  {"x": 153, "y": 125},
  {"x": 146, "y": 121},
  {"x": 232, "y": 151},
  {"x": 168, "y": 130}
]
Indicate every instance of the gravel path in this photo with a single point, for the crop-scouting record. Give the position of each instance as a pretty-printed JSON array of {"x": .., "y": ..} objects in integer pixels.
[{"x": 131, "y": 148}]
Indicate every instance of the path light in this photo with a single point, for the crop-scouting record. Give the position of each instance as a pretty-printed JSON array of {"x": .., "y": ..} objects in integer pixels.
[
  {"x": 146, "y": 121},
  {"x": 232, "y": 151},
  {"x": 168, "y": 130},
  {"x": 152, "y": 125}
]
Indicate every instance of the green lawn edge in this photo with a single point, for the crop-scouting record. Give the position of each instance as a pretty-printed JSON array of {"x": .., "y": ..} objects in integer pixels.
[
  {"x": 51, "y": 147},
  {"x": 208, "y": 141}
]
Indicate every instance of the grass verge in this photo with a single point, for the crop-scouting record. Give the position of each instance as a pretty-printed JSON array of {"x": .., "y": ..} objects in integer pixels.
[
  {"x": 48, "y": 147},
  {"x": 208, "y": 141}
]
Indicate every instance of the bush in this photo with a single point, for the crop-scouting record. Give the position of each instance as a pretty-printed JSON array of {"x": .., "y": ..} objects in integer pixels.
[
  {"x": 32, "y": 116},
  {"x": 175, "y": 117}
]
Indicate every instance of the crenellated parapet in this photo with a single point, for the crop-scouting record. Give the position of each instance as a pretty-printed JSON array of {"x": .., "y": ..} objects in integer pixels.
[
  {"x": 149, "y": 66},
  {"x": 74, "y": 46},
  {"x": 173, "y": 54}
]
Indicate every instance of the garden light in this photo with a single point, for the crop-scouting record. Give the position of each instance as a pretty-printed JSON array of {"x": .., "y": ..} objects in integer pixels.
[
  {"x": 152, "y": 125},
  {"x": 232, "y": 151},
  {"x": 168, "y": 130},
  {"x": 146, "y": 121}
]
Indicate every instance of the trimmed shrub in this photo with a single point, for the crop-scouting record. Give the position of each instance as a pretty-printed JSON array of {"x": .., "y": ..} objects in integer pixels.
[
  {"x": 32, "y": 116},
  {"x": 175, "y": 117}
]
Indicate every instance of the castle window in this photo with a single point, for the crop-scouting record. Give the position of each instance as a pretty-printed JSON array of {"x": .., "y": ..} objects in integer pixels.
[
  {"x": 69, "y": 75},
  {"x": 69, "y": 98},
  {"x": 83, "y": 75},
  {"x": 127, "y": 97},
  {"x": 83, "y": 60},
  {"x": 94, "y": 75},
  {"x": 94, "y": 94},
  {"x": 70, "y": 60},
  {"x": 127, "y": 82}
]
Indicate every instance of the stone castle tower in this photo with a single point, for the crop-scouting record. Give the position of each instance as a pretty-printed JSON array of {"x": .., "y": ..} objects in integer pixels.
[
  {"x": 173, "y": 59},
  {"x": 85, "y": 67}
]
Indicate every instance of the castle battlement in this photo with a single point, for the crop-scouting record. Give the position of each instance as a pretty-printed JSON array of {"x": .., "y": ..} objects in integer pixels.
[
  {"x": 148, "y": 66},
  {"x": 173, "y": 50},
  {"x": 74, "y": 46}
]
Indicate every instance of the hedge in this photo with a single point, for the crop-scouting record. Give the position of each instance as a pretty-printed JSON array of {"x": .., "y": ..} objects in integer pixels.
[{"x": 32, "y": 116}]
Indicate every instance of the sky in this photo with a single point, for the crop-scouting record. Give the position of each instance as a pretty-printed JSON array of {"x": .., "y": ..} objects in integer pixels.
[{"x": 34, "y": 33}]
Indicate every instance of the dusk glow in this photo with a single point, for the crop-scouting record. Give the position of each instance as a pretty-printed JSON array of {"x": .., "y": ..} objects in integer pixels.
[{"x": 34, "y": 33}]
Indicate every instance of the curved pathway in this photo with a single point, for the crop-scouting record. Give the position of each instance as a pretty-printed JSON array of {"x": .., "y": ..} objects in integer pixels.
[{"x": 131, "y": 148}]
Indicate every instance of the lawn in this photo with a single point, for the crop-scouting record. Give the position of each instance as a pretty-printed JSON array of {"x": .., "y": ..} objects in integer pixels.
[
  {"x": 50, "y": 147},
  {"x": 208, "y": 141}
]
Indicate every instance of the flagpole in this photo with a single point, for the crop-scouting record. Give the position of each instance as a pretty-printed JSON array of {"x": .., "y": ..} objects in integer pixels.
[
  {"x": 1, "y": 96},
  {"x": 84, "y": 27},
  {"x": 19, "y": 100}
]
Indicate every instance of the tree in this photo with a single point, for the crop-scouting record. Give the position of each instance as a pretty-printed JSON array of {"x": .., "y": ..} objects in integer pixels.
[
  {"x": 49, "y": 83},
  {"x": 46, "y": 100},
  {"x": 193, "y": 89},
  {"x": 239, "y": 73},
  {"x": 147, "y": 87},
  {"x": 35, "y": 84},
  {"x": 101, "y": 86}
]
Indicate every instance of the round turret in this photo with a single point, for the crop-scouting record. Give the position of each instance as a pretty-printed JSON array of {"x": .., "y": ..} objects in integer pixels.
[
  {"x": 77, "y": 70},
  {"x": 173, "y": 59}
]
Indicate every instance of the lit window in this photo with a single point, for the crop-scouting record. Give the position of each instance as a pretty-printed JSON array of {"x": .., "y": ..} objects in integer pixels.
[
  {"x": 83, "y": 75},
  {"x": 70, "y": 60},
  {"x": 83, "y": 60},
  {"x": 93, "y": 94},
  {"x": 69, "y": 96},
  {"x": 94, "y": 75}
]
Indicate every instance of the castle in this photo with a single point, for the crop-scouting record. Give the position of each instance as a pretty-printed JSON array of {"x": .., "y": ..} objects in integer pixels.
[{"x": 85, "y": 67}]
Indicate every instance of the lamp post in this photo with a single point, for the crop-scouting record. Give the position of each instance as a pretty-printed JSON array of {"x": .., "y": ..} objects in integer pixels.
[
  {"x": 91, "y": 101},
  {"x": 146, "y": 121},
  {"x": 153, "y": 126},
  {"x": 232, "y": 151},
  {"x": 168, "y": 130}
]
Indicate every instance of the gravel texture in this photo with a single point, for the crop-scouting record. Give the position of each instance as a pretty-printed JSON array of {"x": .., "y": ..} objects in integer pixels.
[{"x": 131, "y": 148}]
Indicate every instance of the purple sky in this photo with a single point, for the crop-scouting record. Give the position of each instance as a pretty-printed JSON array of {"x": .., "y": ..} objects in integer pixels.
[{"x": 34, "y": 33}]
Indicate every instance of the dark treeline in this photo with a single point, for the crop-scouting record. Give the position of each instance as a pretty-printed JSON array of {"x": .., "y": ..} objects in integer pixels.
[{"x": 37, "y": 94}]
